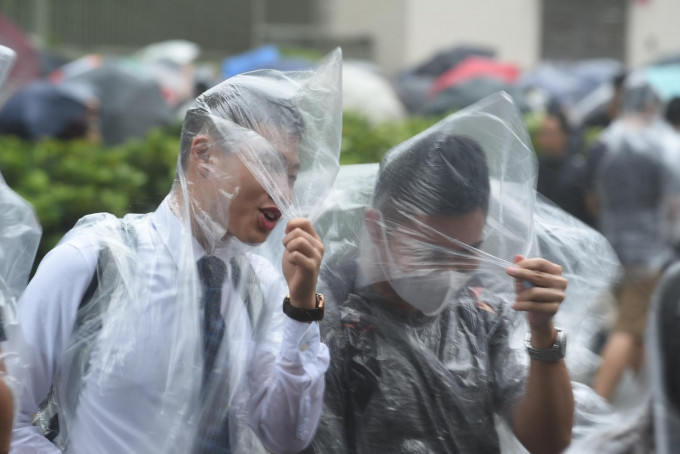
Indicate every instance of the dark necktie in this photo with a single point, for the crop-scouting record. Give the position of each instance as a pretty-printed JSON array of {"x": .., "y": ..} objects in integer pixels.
[
  {"x": 214, "y": 432},
  {"x": 211, "y": 271}
]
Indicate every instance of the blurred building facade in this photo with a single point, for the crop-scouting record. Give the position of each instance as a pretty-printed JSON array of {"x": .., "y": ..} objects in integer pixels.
[
  {"x": 405, "y": 32},
  {"x": 395, "y": 33}
]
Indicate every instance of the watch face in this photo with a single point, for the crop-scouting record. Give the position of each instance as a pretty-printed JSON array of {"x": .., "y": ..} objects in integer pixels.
[{"x": 561, "y": 341}]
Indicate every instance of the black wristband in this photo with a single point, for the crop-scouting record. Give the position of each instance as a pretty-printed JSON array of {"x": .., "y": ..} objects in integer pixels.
[{"x": 305, "y": 315}]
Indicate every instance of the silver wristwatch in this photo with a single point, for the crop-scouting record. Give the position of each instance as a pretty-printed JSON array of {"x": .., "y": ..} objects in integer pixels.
[{"x": 552, "y": 354}]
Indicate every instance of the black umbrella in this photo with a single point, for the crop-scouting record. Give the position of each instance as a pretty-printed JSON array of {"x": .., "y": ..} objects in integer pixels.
[
  {"x": 42, "y": 109},
  {"x": 130, "y": 101},
  {"x": 445, "y": 60},
  {"x": 462, "y": 95}
]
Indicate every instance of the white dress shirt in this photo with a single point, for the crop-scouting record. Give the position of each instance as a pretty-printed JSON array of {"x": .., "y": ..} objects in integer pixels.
[{"x": 124, "y": 404}]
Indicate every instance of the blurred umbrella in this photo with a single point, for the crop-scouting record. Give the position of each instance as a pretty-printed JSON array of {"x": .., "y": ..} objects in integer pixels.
[
  {"x": 50, "y": 61},
  {"x": 469, "y": 92},
  {"x": 264, "y": 57},
  {"x": 178, "y": 52},
  {"x": 130, "y": 100},
  {"x": 594, "y": 72},
  {"x": 42, "y": 109},
  {"x": 171, "y": 63},
  {"x": 553, "y": 80},
  {"x": 474, "y": 67},
  {"x": 76, "y": 67},
  {"x": 249, "y": 61},
  {"x": 359, "y": 84},
  {"x": 569, "y": 83},
  {"x": 443, "y": 61},
  {"x": 413, "y": 89},
  {"x": 27, "y": 65},
  {"x": 592, "y": 110}
]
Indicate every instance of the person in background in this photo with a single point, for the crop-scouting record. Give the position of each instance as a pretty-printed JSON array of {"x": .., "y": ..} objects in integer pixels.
[
  {"x": 561, "y": 171},
  {"x": 595, "y": 152},
  {"x": 636, "y": 186}
]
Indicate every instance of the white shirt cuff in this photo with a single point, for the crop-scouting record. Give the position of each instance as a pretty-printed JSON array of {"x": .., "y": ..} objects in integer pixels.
[{"x": 301, "y": 342}]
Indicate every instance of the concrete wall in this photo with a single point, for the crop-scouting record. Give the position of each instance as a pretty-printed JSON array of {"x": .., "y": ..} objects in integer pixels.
[
  {"x": 652, "y": 30},
  {"x": 383, "y": 21}
]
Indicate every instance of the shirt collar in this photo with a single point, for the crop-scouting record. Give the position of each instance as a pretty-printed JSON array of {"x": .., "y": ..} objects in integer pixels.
[{"x": 174, "y": 233}]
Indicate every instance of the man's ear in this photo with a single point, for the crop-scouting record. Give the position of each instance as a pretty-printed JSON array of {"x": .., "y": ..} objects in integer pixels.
[{"x": 200, "y": 154}]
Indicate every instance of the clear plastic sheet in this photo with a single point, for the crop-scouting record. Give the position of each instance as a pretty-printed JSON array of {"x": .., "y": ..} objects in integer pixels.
[
  {"x": 256, "y": 150},
  {"x": 444, "y": 378},
  {"x": 19, "y": 237},
  {"x": 20, "y": 234},
  {"x": 654, "y": 427}
]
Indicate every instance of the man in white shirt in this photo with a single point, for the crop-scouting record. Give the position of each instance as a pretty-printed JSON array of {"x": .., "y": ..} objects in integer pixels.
[{"x": 164, "y": 332}]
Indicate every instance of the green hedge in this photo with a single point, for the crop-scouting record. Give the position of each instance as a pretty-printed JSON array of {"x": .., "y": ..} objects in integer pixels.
[{"x": 67, "y": 180}]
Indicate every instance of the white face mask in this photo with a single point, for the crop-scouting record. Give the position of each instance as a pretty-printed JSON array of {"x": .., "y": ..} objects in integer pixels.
[{"x": 429, "y": 291}]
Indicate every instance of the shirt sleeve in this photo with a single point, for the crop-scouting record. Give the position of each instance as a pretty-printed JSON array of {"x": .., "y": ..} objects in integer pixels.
[
  {"x": 46, "y": 313},
  {"x": 287, "y": 379}
]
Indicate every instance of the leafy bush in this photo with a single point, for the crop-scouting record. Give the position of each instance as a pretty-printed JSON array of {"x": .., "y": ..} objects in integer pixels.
[
  {"x": 363, "y": 142},
  {"x": 67, "y": 180}
]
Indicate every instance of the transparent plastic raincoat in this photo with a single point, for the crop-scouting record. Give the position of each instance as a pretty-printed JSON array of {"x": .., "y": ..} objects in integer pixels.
[
  {"x": 442, "y": 371},
  {"x": 163, "y": 332},
  {"x": 653, "y": 426},
  {"x": 19, "y": 237}
]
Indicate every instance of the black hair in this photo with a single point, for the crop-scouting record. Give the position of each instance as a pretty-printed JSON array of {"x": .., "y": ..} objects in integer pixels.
[
  {"x": 558, "y": 114},
  {"x": 673, "y": 111},
  {"x": 243, "y": 104},
  {"x": 440, "y": 175}
]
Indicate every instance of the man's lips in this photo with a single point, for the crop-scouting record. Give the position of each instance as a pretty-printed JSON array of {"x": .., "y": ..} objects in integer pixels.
[{"x": 269, "y": 217}]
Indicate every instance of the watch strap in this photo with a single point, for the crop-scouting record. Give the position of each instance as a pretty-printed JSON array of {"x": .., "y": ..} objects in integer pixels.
[
  {"x": 305, "y": 315},
  {"x": 552, "y": 354}
]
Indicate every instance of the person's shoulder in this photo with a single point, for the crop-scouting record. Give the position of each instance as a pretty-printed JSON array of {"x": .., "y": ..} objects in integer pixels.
[
  {"x": 80, "y": 248},
  {"x": 76, "y": 253}
]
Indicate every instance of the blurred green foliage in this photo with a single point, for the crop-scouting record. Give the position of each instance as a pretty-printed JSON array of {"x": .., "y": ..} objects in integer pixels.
[
  {"x": 364, "y": 142},
  {"x": 67, "y": 180}
]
